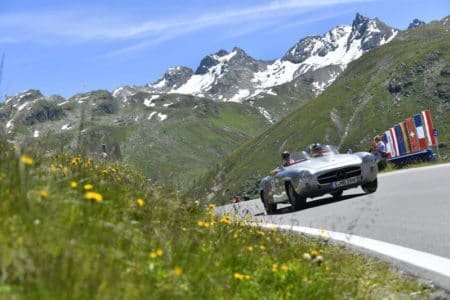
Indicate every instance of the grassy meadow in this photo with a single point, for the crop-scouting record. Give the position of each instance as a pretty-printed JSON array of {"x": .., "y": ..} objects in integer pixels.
[{"x": 76, "y": 228}]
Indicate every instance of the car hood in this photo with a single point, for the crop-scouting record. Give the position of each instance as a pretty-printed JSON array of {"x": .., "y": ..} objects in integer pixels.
[{"x": 328, "y": 162}]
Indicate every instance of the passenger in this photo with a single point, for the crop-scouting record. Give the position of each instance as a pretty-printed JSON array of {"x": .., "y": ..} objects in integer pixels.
[{"x": 316, "y": 150}]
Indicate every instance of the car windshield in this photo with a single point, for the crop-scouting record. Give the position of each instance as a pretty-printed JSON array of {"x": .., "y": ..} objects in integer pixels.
[
  {"x": 317, "y": 150},
  {"x": 300, "y": 156}
]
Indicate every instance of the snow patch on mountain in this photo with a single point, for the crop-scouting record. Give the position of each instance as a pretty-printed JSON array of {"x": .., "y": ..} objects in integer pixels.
[
  {"x": 200, "y": 83},
  {"x": 241, "y": 94},
  {"x": 149, "y": 101},
  {"x": 266, "y": 114},
  {"x": 10, "y": 124},
  {"x": 385, "y": 41},
  {"x": 66, "y": 126},
  {"x": 162, "y": 117},
  {"x": 278, "y": 73},
  {"x": 22, "y": 106}
]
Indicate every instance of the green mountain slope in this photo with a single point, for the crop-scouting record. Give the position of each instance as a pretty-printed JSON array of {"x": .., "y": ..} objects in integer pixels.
[
  {"x": 170, "y": 138},
  {"x": 380, "y": 89}
]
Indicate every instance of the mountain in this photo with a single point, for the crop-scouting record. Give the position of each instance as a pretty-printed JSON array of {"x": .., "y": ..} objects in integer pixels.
[
  {"x": 170, "y": 138},
  {"x": 312, "y": 64},
  {"x": 415, "y": 23},
  {"x": 189, "y": 119},
  {"x": 380, "y": 89}
]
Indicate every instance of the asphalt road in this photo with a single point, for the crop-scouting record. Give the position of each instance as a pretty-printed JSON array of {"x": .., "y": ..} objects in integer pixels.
[{"x": 411, "y": 208}]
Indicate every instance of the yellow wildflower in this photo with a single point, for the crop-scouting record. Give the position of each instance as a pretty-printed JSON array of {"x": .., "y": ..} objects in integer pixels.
[
  {"x": 273, "y": 229},
  {"x": 284, "y": 267},
  {"x": 262, "y": 247},
  {"x": 140, "y": 202},
  {"x": 93, "y": 196},
  {"x": 53, "y": 168},
  {"x": 88, "y": 187},
  {"x": 75, "y": 161},
  {"x": 177, "y": 271},
  {"x": 73, "y": 184},
  {"x": 314, "y": 253},
  {"x": 200, "y": 223},
  {"x": 306, "y": 256},
  {"x": 250, "y": 248},
  {"x": 240, "y": 276},
  {"x": 65, "y": 170},
  {"x": 26, "y": 160},
  {"x": 225, "y": 219},
  {"x": 275, "y": 268},
  {"x": 157, "y": 253},
  {"x": 212, "y": 206},
  {"x": 235, "y": 235},
  {"x": 43, "y": 194},
  {"x": 261, "y": 233}
]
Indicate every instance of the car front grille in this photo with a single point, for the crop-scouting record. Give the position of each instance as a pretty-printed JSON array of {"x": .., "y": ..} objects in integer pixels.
[{"x": 339, "y": 174}]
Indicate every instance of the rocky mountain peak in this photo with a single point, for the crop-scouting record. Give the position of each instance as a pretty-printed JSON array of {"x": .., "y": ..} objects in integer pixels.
[
  {"x": 360, "y": 21},
  {"x": 416, "y": 23},
  {"x": 26, "y": 96},
  {"x": 305, "y": 48},
  {"x": 371, "y": 32},
  {"x": 174, "y": 77},
  {"x": 236, "y": 76}
]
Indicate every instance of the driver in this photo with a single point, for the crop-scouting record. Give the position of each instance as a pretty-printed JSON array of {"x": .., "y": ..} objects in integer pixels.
[{"x": 286, "y": 160}]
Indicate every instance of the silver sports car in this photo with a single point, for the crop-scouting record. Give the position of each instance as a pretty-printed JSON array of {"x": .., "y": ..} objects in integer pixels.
[{"x": 317, "y": 171}]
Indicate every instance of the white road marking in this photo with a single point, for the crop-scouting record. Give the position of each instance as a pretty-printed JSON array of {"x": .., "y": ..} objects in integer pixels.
[
  {"x": 424, "y": 260},
  {"x": 414, "y": 170}
]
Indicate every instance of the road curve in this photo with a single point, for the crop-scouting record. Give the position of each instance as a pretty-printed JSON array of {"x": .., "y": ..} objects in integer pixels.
[{"x": 411, "y": 208}]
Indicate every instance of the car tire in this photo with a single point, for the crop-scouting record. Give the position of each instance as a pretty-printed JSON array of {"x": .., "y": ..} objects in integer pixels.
[
  {"x": 297, "y": 201},
  {"x": 337, "y": 194},
  {"x": 370, "y": 187},
  {"x": 269, "y": 207}
]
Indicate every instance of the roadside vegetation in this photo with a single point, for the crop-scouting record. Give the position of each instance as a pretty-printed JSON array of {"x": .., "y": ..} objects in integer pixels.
[{"x": 75, "y": 228}]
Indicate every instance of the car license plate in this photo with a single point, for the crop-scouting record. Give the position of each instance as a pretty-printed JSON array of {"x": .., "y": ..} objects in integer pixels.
[{"x": 344, "y": 182}]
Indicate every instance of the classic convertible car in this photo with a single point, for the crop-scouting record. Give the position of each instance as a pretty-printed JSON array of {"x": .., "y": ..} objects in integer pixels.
[{"x": 318, "y": 171}]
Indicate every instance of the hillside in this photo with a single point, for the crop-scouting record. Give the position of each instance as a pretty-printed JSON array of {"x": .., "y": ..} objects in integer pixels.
[
  {"x": 170, "y": 138},
  {"x": 375, "y": 92}
]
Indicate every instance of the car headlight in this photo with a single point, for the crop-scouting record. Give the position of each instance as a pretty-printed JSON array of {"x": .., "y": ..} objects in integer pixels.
[
  {"x": 305, "y": 176},
  {"x": 368, "y": 160}
]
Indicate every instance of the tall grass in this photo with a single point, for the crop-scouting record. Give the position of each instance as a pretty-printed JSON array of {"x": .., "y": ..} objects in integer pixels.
[{"x": 74, "y": 228}]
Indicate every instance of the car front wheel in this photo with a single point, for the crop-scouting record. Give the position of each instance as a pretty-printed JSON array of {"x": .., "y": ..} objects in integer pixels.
[
  {"x": 337, "y": 194},
  {"x": 295, "y": 199},
  {"x": 370, "y": 187},
  {"x": 269, "y": 207}
]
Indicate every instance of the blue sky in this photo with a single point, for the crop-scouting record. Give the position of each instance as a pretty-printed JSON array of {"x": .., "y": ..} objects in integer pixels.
[{"x": 64, "y": 47}]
